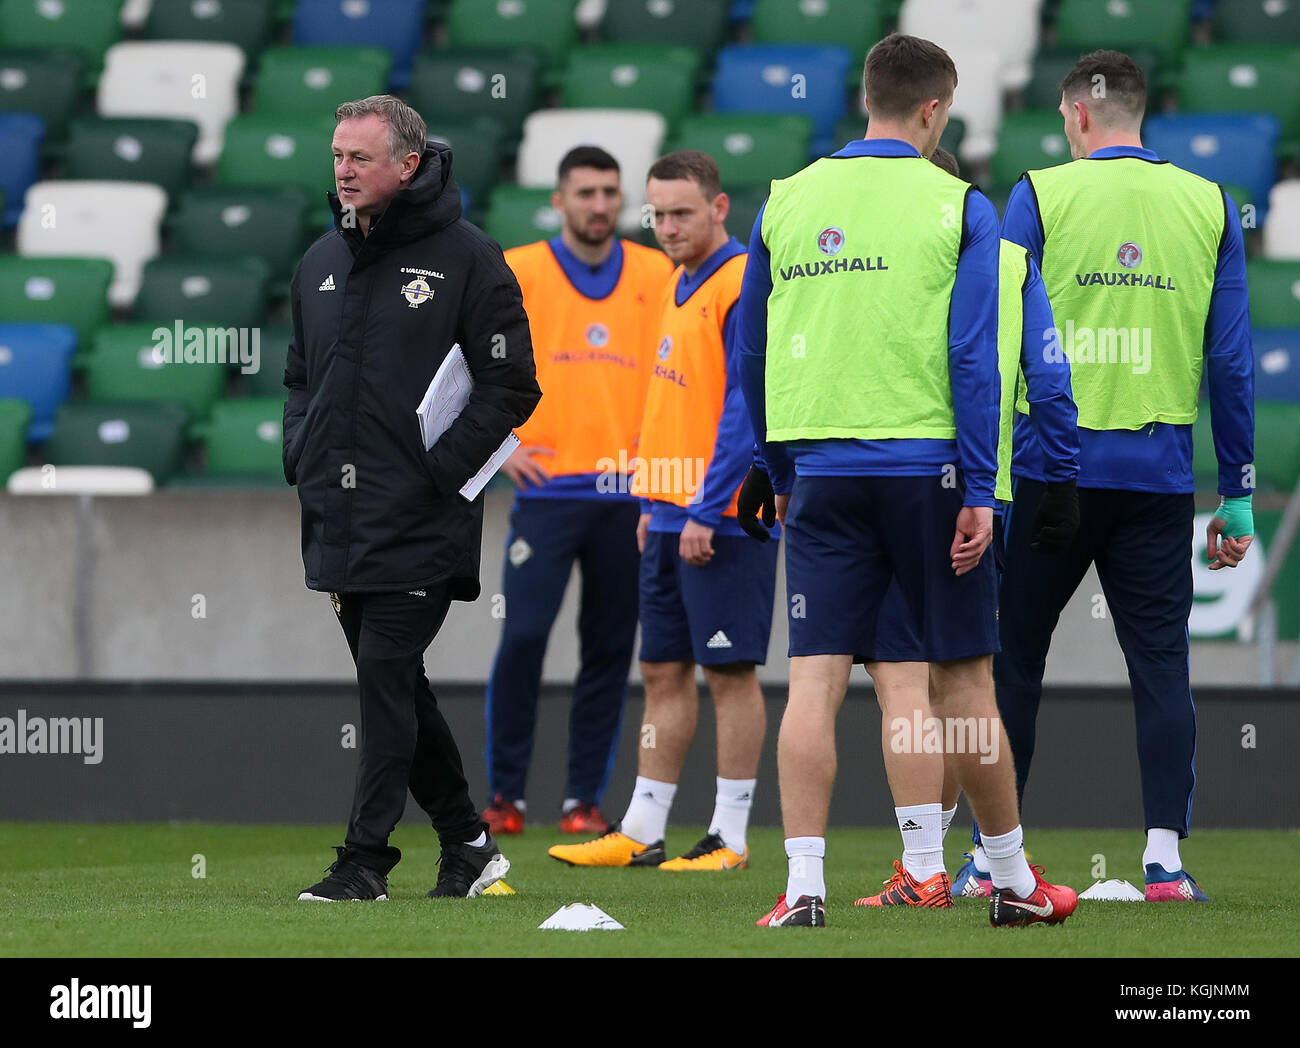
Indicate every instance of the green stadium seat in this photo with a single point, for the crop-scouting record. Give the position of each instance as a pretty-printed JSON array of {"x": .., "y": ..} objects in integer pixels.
[
  {"x": 47, "y": 83},
  {"x": 199, "y": 289},
  {"x": 1277, "y": 446},
  {"x": 1274, "y": 288},
  {"x": 476, "y": 154},
  {"x": 750, "y": 149},
  {"x": 245, "y": 438},
  {"x": 633, "y": 76},
  {"x": 1050, "y": 66},
  {"x": 745, "y": 205},
  {"x": 1257, "y": 22},
  {"x": 1160, "y": 25},
  {"x": 1029, "y": 140},
  {"x": 129, "y": 365},
  {"x": 855, "y": 24},
  {"x": 149, "y": 436},
  {"x": 1241, "y": 195},
  {"x": 72, "y": 291},
  {"x": 699, "y": 24},
  {"x": 308, "y": 81},
  {"x": 465, "y": 86},
  {"x": 521, "y": 215},
  {"x": 1245, "y": 78},
  {"x": 275, "y": 150},
  {"x": 273, "y": 351},
  {"x": 89, "y": 27},
  {"x": 15, "y": 417},
  {"x": 544, "y": 25},
  {"x": 246, "y": 23},
  {"x": 270, "y": 224},
  {"x": 132, "y": 149}
]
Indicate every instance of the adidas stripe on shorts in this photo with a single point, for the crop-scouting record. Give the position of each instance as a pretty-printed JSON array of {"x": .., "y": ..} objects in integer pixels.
[{"x": 713, "y": 615}]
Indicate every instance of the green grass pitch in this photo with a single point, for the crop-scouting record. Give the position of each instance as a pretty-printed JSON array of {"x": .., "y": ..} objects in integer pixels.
[{"x": 75, "y": 890}]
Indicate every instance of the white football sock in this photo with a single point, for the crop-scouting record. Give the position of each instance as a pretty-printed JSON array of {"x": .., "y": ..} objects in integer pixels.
[
  {"x": 1007, "y": 864},
  {"x": 807, "y": 868},
  {"x": 520, "y": 805},
  {"x": 1162, "y": 847},
  {"x": 981, "y": 859},
  {"x": 948, "y": 816},
  {"x": 731, "y": 811},
  {"x": 569, "y": 804},
  {"x": 647, "y": 812},
  {"x": 921, "y": 826}
]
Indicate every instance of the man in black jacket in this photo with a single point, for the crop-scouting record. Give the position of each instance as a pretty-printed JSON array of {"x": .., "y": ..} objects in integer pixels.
[{"x": 377, "y": 303}]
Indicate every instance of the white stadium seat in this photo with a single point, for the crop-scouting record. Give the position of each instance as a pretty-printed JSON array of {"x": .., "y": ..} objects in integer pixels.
[
  {"x": 1009, "y": 27},
  {"x": 178, "y": 79},
  {"x": 114, "y": 220},
  {"x": 978, "y": 100},
  {"x": 634, "y": 137},
  {"x": 1282, "y": 227}
]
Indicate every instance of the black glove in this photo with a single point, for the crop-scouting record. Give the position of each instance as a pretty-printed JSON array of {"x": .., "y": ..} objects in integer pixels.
[
  {"x": 755, "y": 494},
  {"x": 1057, "y": 520}
]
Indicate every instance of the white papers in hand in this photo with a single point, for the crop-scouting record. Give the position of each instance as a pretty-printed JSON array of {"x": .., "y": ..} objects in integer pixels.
[{"x": 443, "y": 402}]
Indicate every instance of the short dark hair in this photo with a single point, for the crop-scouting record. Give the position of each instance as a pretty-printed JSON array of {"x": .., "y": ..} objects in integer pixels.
[
  {"x": 1111, "y": 79},
  {"x": 585, "y": 156},
  {"x": 902, "y": 73},
  {"x": 689, "y": 164},
  {"x": 944, "y": 160}
]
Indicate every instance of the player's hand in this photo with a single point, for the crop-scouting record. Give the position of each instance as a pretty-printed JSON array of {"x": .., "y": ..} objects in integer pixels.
[
  {"x": 1057, "y": 520},
  {"x": 642, "y": 530},
  {"x": 974, "y": 533},
  {"x": 696, "y": 546},
  {"x": 1234, "y": 520},
  {"x": 756, "y": 494},
  {"x": 525, "y": 470},
  {"x": 782, "y": 501}
]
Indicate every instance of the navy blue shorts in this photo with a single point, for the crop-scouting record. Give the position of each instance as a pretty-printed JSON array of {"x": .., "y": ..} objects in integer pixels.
[
  {"x": 715, "y": 614},
  {"x": 897, "y": 639},
  {"x": 849, "y": 538}
]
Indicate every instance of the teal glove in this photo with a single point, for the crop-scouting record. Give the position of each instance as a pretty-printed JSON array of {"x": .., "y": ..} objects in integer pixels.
[{"x": 1237, "y": 516}]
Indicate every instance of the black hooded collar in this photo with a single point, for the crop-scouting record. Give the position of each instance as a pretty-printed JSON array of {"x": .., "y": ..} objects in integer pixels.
[{"x": 430, "y": 203}]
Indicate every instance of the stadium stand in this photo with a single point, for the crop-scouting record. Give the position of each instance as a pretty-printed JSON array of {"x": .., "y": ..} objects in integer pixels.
[
  {"x": 201, "y": 289},
  {"x": 802, "y": 79},
  {"x": 1282, "y": 228},
  {"x": 129, "y": 149},
  {"x": 513, "y": 84},
  {"x": 89, "y": 27},
  {"x": 44, "y": 83},
  {"x": 305, "y": 81},
  {"x": 198, "y": 82},
  {"x": 128, "y": 366},
  {"x": 396, "y": 26},
  {"x": 248, "y": 24},
  {"x": 36, "y": 367},
  {"x": 117, "y": 220},
  {"x": 149, "y": 436},
  {"x": 72, "y": 291},
  {"x": 20, "y": 160},
  {"x": 15, "y": 416}
]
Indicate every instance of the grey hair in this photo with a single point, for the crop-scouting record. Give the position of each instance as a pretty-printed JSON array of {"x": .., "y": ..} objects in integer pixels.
[{"x": 407, "y": 132}]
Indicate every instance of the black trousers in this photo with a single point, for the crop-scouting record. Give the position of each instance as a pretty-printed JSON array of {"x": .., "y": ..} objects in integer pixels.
[
  {"x": 1141, "y": 543},
  {"x": 404, "y": 741}
]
